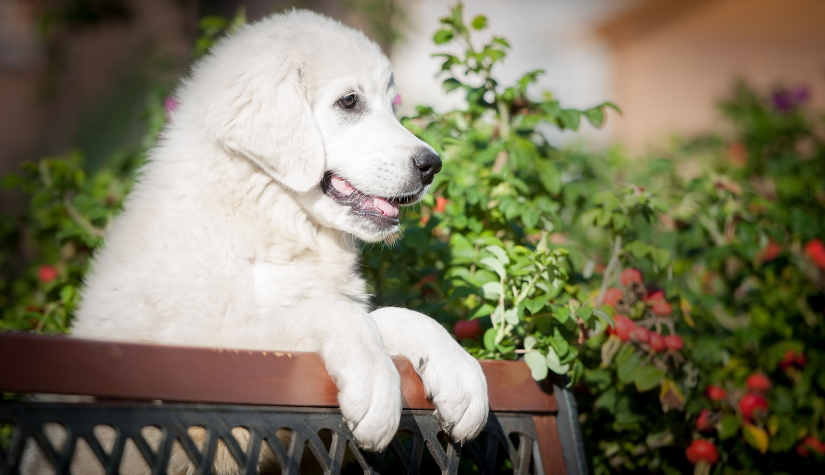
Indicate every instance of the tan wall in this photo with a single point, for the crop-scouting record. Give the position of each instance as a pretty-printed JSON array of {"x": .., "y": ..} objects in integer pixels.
[{"x": 668, "y": 79}]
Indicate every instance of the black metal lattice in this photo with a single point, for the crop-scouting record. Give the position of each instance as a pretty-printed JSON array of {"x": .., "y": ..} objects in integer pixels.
[{"x": 310, "y": 440}]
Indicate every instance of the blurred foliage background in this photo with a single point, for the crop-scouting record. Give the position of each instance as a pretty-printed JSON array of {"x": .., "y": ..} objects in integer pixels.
[{"x": 681, "y": 290}]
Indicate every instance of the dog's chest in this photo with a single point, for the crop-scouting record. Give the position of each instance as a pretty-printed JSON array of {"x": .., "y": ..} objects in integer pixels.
[{"x": 282, "y": 283}]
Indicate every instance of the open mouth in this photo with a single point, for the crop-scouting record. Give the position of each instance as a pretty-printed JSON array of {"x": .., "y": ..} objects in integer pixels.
[{"x": 383, "y": 210}]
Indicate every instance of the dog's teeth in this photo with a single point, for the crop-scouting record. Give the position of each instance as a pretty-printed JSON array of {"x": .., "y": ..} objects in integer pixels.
[
  {"x": 342, "y": 186},
  {"x": 386, "y": 208}
]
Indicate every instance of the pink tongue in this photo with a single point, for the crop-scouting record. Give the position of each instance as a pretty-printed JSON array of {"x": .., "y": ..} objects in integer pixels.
[{"x": 386, "y": 208}]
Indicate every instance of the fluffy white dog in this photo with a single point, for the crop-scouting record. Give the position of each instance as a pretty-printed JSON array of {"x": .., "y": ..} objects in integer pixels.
[{"x": 239, "y": 234}]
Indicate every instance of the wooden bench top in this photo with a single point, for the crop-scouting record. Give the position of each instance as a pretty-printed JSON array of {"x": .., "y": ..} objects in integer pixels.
[{"x": 64, "y": 365}]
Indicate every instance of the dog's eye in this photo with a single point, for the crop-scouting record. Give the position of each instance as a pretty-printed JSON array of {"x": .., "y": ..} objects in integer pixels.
[{"x": 348, "y": 101}]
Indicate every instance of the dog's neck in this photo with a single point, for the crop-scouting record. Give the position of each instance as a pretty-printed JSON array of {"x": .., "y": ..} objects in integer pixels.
[
  {"x": 284, "y": 233},
  {"x": 267, "y": 222}
]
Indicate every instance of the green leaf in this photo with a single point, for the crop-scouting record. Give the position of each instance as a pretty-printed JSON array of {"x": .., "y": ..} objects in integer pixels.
[
  {"x": 451, "y": 84},
  {"x": 595, "y": 116},
  {"x": 530, "y": 342},
  {"x": 589, "y": 217},
  {"x": 479, "y": 22},
  {"x": 570, "y": 118},
  {"x": 495, "y": 265},
  {"x": 443, "y": 36},
  {"x": 559, "y": 343},
  {"x": 482, "y": 311},
  {"x": 530, "y": 218},
  {"x": 785, "y": 437},
  {"x": 499, "y": 252},
  {"x": 511, "y": 316},
  {"x": 501, "y": 41},
  {"x": 562, "y": 313},
  {"x": 638, "y": 249},
  {"x": 536, "y": 304},
  {"x": 66, "y": 293},
  {"x": 661, "y": 257},
  {"x": 729, "y": 426},
  {"x": 602, "y": 315},
  {"x": 490, "y": 339},
  {"x": 648, "y": 377},
  {"x": 495, "y": 54},
  {"x": 626, "y": 369},
  {"x": 608, "y": 400},
  {"x": 612, "y": 106},
  {"x": 491, "y": 290},
  {"x": 537, "y": 364},
  {"x": 549, "y": 176},
  {"x": 554, "y": 363}
]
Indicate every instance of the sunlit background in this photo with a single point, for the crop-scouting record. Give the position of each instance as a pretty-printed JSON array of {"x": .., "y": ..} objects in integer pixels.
[{"x": 72, "y": 72}]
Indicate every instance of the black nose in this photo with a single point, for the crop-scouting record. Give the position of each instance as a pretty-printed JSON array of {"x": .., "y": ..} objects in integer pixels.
[{"x": 427, "y": 163}]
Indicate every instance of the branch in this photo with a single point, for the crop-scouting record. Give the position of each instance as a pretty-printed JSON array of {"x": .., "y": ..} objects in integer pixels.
[
  {"x": 503, "y": 156},
  {"x": 714, "y": 233},
  {"x": 81, "y": 220},
  {"x": 611, "y": 266},
  {"x": 658, "y": 321},
  {"x": 529, "y": 287}
]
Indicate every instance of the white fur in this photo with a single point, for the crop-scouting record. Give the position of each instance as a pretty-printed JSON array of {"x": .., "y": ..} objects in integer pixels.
[{"x": 228, "y": 240}]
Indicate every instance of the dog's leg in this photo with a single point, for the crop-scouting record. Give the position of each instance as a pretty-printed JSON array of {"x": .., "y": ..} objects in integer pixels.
[
  {"x": 349, "y": 342},
  {"x": 452, "y": 377}
]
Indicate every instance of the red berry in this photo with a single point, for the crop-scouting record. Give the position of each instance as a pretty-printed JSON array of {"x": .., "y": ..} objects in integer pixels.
[
  {"x": 657, "y": 343},
  {"x": 631, "y": 275},
  {"x": 816, "y": 251},
  {"x": 658, "y": 295},
  {"x": 47, "y": 273},
  {"x": 612, "y": 296},
  {"x": 624, "y": 326},
  {"x": 674, "y": 342},
  {"x": 703, "y": 423},
  {"x": 793, "y": 358},
  {"x": 788, "y": 359},
  {"x": 752, "y": 404},
  {"x": 440, "y": 204},
  {"x": 715, "y": 393},
  {"x": 467, "y": 330},
  {"x": 701, "y": 450},
  {"x": 771, "y": 251},
  {"x": 758, "y": 382},
  {"x": 811, "y": 443},
  {"x": 640, "y": 335},
  {"x": 662, "y": 308}
]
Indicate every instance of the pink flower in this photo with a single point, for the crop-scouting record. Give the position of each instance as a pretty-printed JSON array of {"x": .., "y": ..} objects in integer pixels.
[{"x": 170, "y": 104}]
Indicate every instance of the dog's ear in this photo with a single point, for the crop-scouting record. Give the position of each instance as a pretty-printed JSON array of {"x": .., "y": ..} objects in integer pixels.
[{"x": 269, "y": 120}]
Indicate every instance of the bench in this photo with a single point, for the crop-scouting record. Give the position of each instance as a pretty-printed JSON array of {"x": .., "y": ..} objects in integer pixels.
[{"x": 532, "y": 428}]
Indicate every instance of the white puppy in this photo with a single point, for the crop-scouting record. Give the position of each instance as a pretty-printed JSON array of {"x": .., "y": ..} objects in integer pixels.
[{"x": 239, "y": 234}]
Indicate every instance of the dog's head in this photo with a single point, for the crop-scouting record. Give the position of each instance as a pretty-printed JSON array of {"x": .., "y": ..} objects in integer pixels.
[{"x": 311, "y": 102}]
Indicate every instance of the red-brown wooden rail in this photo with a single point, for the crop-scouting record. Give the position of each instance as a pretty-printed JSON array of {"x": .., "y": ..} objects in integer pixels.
[{"x": 64, "y": 365}]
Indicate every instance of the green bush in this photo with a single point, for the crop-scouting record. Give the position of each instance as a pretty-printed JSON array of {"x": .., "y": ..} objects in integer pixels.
[
  {"x": 478, "y": 253},
  {"x": 748, "y": 274},
  {"x": 655, "y": 284}
]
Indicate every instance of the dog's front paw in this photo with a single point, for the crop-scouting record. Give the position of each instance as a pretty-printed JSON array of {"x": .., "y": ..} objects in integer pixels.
[
  {"x": 370, "y": 399},
  {"x": 458, "y": 389}
]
